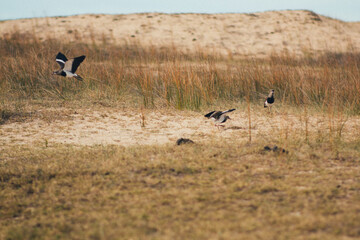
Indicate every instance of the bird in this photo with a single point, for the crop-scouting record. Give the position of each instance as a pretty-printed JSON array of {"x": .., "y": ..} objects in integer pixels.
[
  {"x": 269, "y": 101},
  {"x": 219, "y": 116},
  {"x": 68, "y": 67}
]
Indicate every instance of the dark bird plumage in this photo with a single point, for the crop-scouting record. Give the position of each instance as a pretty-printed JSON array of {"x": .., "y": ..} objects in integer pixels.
[
  {"x": 68, "y": 67},
  {"x": 219, "y": 116},
  {"x": 269, "y": 101}
]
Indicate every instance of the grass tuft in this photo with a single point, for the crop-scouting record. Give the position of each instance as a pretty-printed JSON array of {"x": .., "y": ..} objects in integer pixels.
[{"x": 150, "y": 75}]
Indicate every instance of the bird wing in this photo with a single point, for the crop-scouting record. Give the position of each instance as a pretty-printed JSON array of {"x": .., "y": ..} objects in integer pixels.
[
  {"x": 61, "y": 59},
  {"x": 77, "y": 62},
  {"x": 208, "y": 115},
  {"x": 68, "y": 65},
  {"x": 230, "y": 110},
  {"x": 72, "y": 64},
  {"x": 216, "y": 115}
]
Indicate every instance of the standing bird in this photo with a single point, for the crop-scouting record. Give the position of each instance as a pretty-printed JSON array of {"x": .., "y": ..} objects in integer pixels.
[
  {"x": 218, "y": 116},
  {"x": 68, "y": 67},
  {"x": 269, "y": 101}
]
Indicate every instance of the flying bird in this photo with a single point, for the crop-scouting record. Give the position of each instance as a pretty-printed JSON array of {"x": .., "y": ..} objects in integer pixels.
[
  {"x": 219, "y": 116},
  {"x": 68, "y": 66},
  {"x": 269, "y": 101}
]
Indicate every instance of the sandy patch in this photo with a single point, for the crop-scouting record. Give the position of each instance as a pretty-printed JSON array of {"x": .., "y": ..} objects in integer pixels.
[
  {"x": 257, "y": 34},
  {"x": 125, "y": 128}
]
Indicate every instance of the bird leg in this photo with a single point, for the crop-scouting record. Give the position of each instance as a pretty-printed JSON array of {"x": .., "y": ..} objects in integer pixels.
[{"x": 271, "y": 109}]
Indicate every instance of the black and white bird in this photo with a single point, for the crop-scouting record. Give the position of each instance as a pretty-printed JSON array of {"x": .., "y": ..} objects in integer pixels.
[
  {"x": 68, "y": 66},
  {"x": 219, "y": 116},
  {"x": 270, "y": 99}
]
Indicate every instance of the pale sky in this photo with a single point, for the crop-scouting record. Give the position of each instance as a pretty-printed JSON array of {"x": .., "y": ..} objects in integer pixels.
[{"x": 347, "y": 10}]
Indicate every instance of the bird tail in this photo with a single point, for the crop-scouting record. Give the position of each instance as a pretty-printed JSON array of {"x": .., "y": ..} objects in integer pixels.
[
  {"x": 209, "y": 114},
  {"x": 230, "y": 110},
  {"x": 265, "y": 104},
  {"x": 78, "y": 77}
]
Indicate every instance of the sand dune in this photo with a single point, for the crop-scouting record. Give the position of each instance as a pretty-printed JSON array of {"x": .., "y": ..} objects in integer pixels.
[{"x": 255, "y": 35}]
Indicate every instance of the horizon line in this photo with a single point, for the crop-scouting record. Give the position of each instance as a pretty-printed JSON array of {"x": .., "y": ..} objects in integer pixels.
[{"x": 169, "y": 12}]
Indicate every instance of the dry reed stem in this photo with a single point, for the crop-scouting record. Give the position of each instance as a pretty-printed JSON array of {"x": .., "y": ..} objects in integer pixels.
[
  {"x": 249, "y": 115},
  {"x": 182, "y": 80}
]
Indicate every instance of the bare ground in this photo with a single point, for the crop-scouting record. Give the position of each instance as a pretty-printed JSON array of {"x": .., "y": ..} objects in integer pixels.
[
  {"x": 221, "y": 188},
  {"x": 127, "y": 127},
  {"x": 257, "y": 35}
]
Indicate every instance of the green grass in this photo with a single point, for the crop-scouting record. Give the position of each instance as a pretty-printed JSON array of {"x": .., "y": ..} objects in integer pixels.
[{"x": 213, "y": 190}]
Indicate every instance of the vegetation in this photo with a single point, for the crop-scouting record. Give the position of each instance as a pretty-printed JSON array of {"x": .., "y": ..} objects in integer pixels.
[
  {"x": 167, "y": 75},
  {"x": 220, "y": 188}
]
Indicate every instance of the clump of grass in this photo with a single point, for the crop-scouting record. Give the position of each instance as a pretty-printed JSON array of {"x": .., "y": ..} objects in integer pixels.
[
  {"x": 184, "y": 80},
  {"x": 13, "y": 111}
]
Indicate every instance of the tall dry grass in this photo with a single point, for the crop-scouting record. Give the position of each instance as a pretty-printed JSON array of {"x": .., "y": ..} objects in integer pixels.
[
  {"x": 166, "y": 75},
  {"x": 228, "y": 188}
]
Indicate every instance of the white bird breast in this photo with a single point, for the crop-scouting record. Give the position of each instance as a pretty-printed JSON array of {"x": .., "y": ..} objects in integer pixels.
[
  {"x": 70, "y": 74},
  {"x": 268, "y": 104}
]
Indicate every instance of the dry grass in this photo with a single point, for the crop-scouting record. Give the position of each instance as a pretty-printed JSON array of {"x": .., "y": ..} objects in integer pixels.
[
  {"x": 218, "y": 188},
  {"x": 151, "y": 76},
  {"x": 214, "y": 190}
]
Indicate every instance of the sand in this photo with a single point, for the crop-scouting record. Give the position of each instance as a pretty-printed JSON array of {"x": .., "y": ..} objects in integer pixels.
[
  {"x": 251, "y": 35},
  {"x": 124, "y": 127},
  {"x": 255, "y": 35}
]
